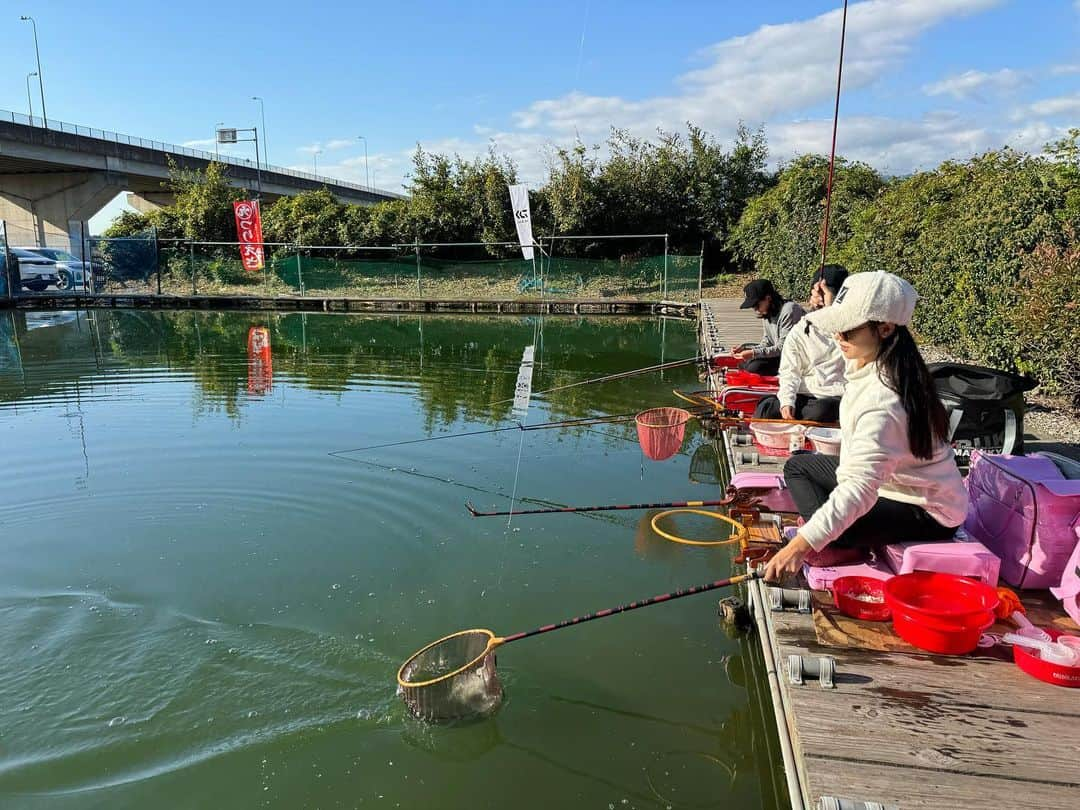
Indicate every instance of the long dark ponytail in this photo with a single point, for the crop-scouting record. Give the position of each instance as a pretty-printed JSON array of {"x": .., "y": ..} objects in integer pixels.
[{"x": 903, "y": 370}]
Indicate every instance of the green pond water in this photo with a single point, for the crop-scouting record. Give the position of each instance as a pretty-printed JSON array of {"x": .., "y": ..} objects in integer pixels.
[{"x": 200, "y": 607}]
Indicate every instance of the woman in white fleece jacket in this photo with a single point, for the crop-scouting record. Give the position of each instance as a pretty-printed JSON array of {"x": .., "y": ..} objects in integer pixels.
[{"x": 896, "y": 478}]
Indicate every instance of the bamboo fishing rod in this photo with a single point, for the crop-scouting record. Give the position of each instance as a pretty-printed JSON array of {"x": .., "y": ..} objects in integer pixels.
[{"x": 565, "y": 423}]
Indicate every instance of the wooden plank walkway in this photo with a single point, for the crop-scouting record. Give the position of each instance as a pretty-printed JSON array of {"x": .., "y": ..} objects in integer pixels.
[{"x": 909, "y": 729}]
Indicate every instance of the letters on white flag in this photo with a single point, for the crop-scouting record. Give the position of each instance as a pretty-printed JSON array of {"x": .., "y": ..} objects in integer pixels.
[{"x": 519, "y": 202}]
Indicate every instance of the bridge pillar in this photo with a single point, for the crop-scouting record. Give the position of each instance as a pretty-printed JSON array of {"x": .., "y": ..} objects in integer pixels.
[{"x": 45, "y": 207}]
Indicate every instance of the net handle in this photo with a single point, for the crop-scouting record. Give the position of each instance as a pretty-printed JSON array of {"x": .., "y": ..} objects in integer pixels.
[{"x": 655, "y": 600}]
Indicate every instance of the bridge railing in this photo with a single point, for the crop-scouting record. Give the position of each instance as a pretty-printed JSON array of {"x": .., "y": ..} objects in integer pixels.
[{"x": 163, "y": 146}]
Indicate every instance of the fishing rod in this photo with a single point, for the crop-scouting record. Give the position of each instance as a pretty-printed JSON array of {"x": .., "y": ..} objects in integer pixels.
[
  {"x": 617, "y": 376},
  {"x": 734, "y": 418},
  {"x": 555, "y": 510},
  {"x": 565, "y": 423}
]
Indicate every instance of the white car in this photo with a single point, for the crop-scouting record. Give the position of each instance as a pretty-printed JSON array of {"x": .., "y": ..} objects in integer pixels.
[
  {"x": 71, "y": 273},
  {"x": 36, "y": 272}
]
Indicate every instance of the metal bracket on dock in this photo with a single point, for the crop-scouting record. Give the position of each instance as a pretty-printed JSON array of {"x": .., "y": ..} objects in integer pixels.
[
  {"x": 784, "y": 598},
  {"x": 832, "y": 803},
  {"x": 736, "y": 438},
  {"x": 746, "y": 456},
  {"x": 823, "y": 668}
]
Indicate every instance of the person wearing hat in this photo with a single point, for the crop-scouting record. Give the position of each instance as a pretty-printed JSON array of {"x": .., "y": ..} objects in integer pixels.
[
  {"x": 895, "y": 479},
  {"x": 778, "y": 317},
  {"x": 811, "y": 365}
]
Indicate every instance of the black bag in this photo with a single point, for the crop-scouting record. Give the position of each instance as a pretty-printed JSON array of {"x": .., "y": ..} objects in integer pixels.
[{"x": 986, "y": 407}]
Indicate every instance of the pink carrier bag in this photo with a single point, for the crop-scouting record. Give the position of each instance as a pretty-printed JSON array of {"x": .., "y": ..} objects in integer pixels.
[
  {"x": 1069, "y": 589},
  {"x": 777, "y": 500},
  {"x": 1026, "y": 510}
]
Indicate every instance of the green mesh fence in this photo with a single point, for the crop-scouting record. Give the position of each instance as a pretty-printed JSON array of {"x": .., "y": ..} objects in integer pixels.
[
  {"x": 217, "y": 270},
  {"x": 126, "y": 265}
]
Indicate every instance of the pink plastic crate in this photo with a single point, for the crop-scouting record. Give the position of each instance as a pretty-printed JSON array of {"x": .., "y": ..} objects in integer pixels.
[
  {"x": 821, "y": 578},
  {"x": 778, "y": 500},
  {"x": 967, "y": 558}
]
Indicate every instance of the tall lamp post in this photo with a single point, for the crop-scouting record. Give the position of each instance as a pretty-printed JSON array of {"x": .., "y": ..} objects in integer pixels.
[
  {"x": 315, "y": 160},
  {"x": 262, "y": 113},
  {"x": 41, "y": 84},
  {"x": 29, "y": 98},
  {"x": 217, "y": 126},
  {"x": 367, "y": 173}
]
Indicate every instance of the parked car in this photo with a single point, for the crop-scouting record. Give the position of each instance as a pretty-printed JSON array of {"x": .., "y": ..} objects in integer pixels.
[
  {"x": 36, "y": 272},
  {"x": 72, "y": 273}
]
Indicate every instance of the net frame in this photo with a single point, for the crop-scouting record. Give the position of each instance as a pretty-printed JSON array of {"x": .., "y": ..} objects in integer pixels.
[
  {"x": 740, "y": 535},
  {"x": 660, "y": 440},
  {"x": 437, "y": 699}
]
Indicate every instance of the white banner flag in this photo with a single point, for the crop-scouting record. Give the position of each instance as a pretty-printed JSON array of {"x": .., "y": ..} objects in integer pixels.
[
  {"x": 523, "y": 388},
  {"x": 519, "y": 202}
]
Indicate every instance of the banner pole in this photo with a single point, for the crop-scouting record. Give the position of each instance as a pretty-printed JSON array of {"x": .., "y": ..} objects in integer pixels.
[{"x": 419, "y": 289}]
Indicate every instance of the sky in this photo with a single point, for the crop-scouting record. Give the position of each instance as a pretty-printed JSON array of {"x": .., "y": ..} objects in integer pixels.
[{"x": 924, "y": 80}]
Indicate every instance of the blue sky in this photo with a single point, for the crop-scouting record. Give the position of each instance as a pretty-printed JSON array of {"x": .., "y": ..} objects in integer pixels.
[{"x": 924, "y": 79}]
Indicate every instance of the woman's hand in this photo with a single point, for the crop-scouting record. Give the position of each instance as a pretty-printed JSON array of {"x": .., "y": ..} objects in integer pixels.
[
  {"x": 787, "y": 412},
  {"x": 788, "y": 560},
  {"x": 745, "y": 354}
]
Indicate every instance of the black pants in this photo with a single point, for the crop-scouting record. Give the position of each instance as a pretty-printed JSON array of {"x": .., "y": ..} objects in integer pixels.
[
  {"x": 812, "y": 476},
  {"x": 769, "y": 366},
  {"x": 814, "y": 409}
]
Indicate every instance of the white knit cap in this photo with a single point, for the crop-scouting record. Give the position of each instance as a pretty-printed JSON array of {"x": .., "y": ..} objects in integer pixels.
[{"x": 877, "y": 296}]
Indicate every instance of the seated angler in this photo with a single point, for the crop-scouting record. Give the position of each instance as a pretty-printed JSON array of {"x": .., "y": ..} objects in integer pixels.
[
  {"x": 778, "y": 317},
  {"x": 896, "y": 478},
  {"x": 811, "y": 364}
]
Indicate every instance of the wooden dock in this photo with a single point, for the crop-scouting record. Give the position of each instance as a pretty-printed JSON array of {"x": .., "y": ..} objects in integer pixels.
[
  {"x": 899, "y": 727},
  {"x": 292, "y": 303}
]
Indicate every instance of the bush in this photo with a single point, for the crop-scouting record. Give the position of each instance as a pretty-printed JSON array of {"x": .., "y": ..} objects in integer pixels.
[
  {"x": 780, "y": 230},
  {"x": 1046, "y": 319}
]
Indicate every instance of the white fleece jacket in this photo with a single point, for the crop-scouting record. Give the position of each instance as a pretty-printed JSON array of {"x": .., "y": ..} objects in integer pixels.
[
  {"x": 876, "y": 461},
  {"x": 811, "y": 363}
]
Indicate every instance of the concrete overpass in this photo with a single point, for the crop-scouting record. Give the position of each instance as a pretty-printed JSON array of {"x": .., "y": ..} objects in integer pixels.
[{"x": 52, "y": 180}]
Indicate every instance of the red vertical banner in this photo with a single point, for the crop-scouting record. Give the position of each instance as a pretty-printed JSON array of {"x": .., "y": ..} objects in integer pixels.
[
  {"x": 249, "y": 233},
  {"x": 260, "y": 361}
]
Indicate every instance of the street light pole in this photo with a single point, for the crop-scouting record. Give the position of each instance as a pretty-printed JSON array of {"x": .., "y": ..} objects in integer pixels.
[
  {"x": 367, "y": 173},
  {"x": 262, "y": 112},
  {"x": 29, "y": 98},
  {"x": 217, "y": 126},
  {"x": 41, "y": 83},
  {"x": 315, "y": 158}
]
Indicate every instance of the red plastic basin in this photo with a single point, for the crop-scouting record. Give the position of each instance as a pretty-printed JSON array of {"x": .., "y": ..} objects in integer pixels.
[
  {"x": 943, "y": 597},
  {"x": 847, "y": 592},
  {"x": 938, "y": 636},
  {"x": 1030, "y": 662}
]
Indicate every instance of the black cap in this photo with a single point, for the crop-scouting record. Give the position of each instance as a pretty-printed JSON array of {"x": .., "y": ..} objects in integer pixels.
[
  {"x": 757, "y": 290},
  {"x": 834, "y": 275}
]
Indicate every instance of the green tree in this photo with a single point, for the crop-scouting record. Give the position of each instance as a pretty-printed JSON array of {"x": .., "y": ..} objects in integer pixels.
[{"x": 779, "y": 233}]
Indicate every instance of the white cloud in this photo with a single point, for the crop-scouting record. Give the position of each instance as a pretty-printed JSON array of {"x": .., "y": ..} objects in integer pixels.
[
  {"x": 1065, "y": 70},
  {"x": 776, "y": 69},
  {"x": 1050, "y": 107},
  {"x": 340, "y": 143},
  {"x": 974, "y": 84},
  {"x": 198, "y": 143}
]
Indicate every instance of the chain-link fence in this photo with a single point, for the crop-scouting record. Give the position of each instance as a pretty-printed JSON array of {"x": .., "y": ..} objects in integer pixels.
[{"x": 591, "y": 267}]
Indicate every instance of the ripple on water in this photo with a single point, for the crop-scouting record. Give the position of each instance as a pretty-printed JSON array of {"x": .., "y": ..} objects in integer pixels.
[{"x": 124, "y": 692}]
